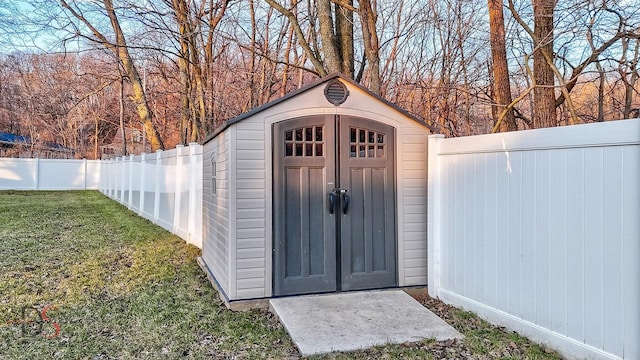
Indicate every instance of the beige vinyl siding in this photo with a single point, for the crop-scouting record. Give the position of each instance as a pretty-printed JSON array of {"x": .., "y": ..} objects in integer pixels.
[
  {"x": 413, "y": 145},
  {"x": 216, "y": 214},
  {"x": 251, "y": 211}
]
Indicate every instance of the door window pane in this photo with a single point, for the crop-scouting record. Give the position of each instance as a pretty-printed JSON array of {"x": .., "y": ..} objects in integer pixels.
[
  {"x": 319, "y": 133},
  {"x": 305, "y": 141},
  {"x": 365, "y": 143}
]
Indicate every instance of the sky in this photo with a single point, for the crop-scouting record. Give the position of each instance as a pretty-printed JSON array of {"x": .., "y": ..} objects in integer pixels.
[{"x": 26, "y": 26}]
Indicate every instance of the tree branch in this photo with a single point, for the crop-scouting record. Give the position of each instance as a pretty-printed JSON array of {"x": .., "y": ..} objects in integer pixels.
[{"x": 317, "y": 63}]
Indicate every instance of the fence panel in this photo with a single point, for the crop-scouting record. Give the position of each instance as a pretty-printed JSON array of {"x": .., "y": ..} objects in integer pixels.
[
  {"x": 135, "y": 173},
  {"x": 49, "y": 174},
  {"x": 164, "y": 187},
  {"x": 195, "y": 195},
  {"x": 538, "y": 231},
  {"x": 148, "y": 188},
  {"x": 181, "y": 218},
  {"x": 18, "y": 174},
  {"x": 93, "y": 174}
]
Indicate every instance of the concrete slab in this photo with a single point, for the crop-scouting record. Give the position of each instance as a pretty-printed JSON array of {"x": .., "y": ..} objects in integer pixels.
[{"x": 358, "y": 320}]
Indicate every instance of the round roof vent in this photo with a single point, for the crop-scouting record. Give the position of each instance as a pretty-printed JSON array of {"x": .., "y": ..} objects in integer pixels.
[{"x": 336, "y": 92}]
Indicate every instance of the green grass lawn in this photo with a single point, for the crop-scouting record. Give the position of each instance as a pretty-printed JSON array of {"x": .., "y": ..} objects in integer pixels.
[{"x": 111, "y": 285}]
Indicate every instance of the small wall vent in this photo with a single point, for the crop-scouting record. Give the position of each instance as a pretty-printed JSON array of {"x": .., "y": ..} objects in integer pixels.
[{"x": 336, "y": 92}]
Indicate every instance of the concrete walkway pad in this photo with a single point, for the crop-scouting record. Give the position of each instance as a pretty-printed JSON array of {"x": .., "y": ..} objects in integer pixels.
[{"x": 358, "y": 320}]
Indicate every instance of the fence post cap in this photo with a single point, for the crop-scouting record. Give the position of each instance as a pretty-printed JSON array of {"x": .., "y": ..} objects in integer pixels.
[
  {"x": 193, "y": 148},
  {"x": 182, "y": 150}
]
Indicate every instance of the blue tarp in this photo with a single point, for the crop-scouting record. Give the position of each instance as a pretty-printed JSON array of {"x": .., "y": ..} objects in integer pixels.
[
  {"x": 8, "y": 138},
  {"x": 13, "y": 139}
]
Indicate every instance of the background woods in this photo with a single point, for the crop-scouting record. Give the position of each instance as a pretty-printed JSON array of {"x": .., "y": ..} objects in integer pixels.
[{"x": 164, "y": 72}]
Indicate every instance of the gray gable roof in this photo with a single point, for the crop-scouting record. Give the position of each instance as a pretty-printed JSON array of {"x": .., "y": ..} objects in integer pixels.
[{"x": 303, "y": 89}]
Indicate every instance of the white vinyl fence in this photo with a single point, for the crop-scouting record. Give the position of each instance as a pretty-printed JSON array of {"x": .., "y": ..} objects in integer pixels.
[
  {"x": 539, "y": 231},
  {"x": 164, "y": 187},
  {"x": 49, "y": 174}
]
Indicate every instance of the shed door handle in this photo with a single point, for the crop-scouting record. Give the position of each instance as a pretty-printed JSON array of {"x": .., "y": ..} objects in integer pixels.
[
  {"x": 333, "y": 199},
  {"x": 345, "y": 201}
]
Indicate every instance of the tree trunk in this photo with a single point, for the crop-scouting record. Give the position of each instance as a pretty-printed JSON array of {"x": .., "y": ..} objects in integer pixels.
[
  {"x": 121, "y": 106},
  {"x": 544, "y": 112},
  {"x": 629, "y": 84},
  {"x": 501, "y": 84},
  {"x": 368, "y": 18},
  {"x": 97, "y": 135},
  {"x": 302, "y": 39},
  {"x": 183, "y": 70},
  {"x": 121, "y": 50},
  {"x": 139, "y": 96},
  {"x": 253, "y": 100},
  {"x": 287, "y": 54},
  {"x": 344, "y": 34},
  {"x": 332, "y": 61},
  {"x": 601, "y": 84}
]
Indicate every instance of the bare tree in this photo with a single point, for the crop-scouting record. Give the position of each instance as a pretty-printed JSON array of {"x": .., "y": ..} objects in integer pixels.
[
  {"x": 334, "y": 49},
  {"x": 544, "y": 113},
  {"x": 629, "y": 73},
  {"x": 120, "y": 49},
  {"x": 546, "y": 75},
  {"x": 500, "y": 67}
]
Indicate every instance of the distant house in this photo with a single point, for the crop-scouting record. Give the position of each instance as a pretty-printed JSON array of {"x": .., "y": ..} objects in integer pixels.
[
  {"x": 18, "y": 146},
  {"x": 136, "y": 144}
]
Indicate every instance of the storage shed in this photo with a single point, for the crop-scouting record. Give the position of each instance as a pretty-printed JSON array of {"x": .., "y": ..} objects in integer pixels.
[{"x": 323, "y": 190}]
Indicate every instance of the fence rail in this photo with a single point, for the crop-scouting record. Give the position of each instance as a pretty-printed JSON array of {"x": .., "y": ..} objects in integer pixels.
[{"x": 538, "y": 231}]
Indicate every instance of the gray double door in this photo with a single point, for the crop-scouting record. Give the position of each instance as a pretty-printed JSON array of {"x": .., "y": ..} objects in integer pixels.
[{"x": 334, "y": 205}]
